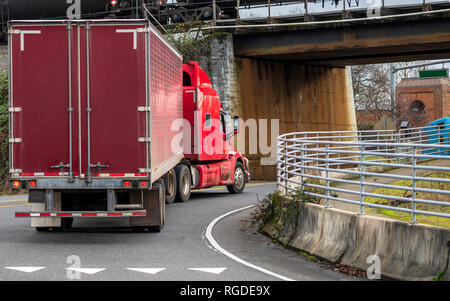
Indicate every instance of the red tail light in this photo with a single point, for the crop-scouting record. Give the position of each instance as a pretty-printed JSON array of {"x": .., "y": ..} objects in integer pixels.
[
  {"x": 113, "y": 3},
  {"x": 16, "y": 184},
  {"x": 127, "y": 184},
  {"x": 32, "y": 184},
  {"x": 144, "y": 184}
]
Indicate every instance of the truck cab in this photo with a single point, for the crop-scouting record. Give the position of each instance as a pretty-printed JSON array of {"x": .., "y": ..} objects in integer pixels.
[
  {"x": 210, "y": 140},
  {"x": 208, "y": 145}
]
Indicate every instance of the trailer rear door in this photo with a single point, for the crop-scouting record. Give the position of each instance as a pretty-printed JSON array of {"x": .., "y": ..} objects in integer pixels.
[
  {"x": 39, "y": 100},
  {"x": 117, "y": 104}
]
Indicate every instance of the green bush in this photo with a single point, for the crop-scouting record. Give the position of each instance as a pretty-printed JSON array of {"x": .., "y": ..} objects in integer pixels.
[
  {"x": 4, "y": 151},
  {"x": 192, "y": 49},
  {"x": 276, "y": 209}
]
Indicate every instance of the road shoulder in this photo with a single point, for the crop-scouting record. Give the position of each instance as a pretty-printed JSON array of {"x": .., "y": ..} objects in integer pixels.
[{"x": 235, "y": 235}]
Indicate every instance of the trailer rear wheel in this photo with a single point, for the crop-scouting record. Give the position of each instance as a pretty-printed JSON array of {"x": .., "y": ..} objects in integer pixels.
[
  {"x": 239, "y": 179},
  {"x": 66, "y": 223},
  {"x": 155, "y": 204},
  {"x": 170, "y": 182},
  {"x": 42, "y": 229},
  {"x": 183, "y": 183},
  {"x": 142, "y": 229}
]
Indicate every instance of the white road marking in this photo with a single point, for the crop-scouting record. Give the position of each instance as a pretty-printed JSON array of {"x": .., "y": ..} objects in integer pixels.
[
  {"x": 217, "y": 247},
  {"x": 152, "y": 271},
  {"x": 89, "y": 271},
  {"x": 25, "y": 269},
  {"x": 209, "y": 270}
]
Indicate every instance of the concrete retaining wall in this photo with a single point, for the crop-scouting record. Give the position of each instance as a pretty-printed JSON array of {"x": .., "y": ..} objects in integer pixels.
[{"x": 406, "y": 251}]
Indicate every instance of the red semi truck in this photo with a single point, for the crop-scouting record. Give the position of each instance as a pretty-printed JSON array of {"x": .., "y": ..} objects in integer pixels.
[{"x": 106, "y": 121}]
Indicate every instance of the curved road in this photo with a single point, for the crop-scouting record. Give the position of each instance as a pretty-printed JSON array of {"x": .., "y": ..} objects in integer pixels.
[{"x": 107, "y": 250}]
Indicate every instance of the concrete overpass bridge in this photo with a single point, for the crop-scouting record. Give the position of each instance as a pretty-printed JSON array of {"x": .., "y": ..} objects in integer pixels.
[{"x": 296, "y": 72}]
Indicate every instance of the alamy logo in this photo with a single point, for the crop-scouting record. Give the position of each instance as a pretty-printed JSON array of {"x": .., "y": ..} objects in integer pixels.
[
  {"x": 74, "y": 9},
  {"x": 205, "y": 138},
  {"x": 374, "y": 8},
  {"x": 374, "y": 271},
  {"x": 75, "y": 263}
]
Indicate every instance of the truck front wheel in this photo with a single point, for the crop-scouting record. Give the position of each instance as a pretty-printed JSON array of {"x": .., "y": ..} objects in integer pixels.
[
  {"x": 183, "y": 183},
  {"x": 239, "y": 179}
]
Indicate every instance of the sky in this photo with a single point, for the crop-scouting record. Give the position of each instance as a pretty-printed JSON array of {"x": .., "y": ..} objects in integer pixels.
[{"x": 288, "y": 9}]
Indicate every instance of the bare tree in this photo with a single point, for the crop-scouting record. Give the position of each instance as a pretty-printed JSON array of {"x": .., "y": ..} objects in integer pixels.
[
  {"x": 372, "y": 91},
  {"x": 371, "y": 85}
]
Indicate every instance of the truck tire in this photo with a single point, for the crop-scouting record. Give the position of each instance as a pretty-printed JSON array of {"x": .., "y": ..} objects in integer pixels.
[
  {"x": 170, "y": 183},
  {"x": 155, "y": 203},
  {"x": 66, "y": 223},
  {"x": 183, "y": 176},
  {"x": 239, "y": 179},
  {"x": 42, "y": 229}
]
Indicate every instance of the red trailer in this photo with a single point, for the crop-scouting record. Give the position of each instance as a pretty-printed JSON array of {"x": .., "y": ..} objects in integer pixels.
[{"x": 92, "y": 108}]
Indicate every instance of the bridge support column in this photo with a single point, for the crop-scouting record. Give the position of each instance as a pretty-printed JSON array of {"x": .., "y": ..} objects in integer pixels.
[{"x": 300, "y": 97}]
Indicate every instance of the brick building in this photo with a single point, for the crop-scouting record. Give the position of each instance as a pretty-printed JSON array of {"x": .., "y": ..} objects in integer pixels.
[{"x": 422, "y": 100}]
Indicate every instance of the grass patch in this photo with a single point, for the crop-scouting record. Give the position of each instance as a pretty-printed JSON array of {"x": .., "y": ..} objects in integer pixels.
[
  {"x": 312, "y": 257},
  {"x": 424, "y": 219}
]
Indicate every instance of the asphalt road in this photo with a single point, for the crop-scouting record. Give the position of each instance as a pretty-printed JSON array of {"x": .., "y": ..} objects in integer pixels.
[{"x": 106, "y": 250}]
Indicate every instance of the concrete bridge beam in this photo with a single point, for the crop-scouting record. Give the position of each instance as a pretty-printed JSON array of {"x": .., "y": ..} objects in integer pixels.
[{"x": 296, "y": 97}]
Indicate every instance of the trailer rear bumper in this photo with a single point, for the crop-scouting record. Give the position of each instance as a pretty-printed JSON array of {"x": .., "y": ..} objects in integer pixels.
[
  {"x": 80, "y": 184},
  {"x": 59, "y": 214}
]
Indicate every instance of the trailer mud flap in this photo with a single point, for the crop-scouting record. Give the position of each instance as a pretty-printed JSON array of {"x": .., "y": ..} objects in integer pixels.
[
  {"x": 155, "y": 204},
  {"x": 47, "y": 221}
]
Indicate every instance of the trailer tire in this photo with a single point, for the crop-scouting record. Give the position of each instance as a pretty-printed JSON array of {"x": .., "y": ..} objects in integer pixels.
[
  {"x": 42, "y": 229},
  {"x": 142, "y": 229},
  {"x": 66, "y": 223},
  {"x": 183, "y": 176},
  {"x": 170, "y": 183},
  {"x": 155, "y": 204},
  {"x": 239, "y": 180}
]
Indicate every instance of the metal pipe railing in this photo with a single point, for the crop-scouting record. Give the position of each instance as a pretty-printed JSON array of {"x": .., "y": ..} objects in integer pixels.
[{"x": 324, "y": 164}]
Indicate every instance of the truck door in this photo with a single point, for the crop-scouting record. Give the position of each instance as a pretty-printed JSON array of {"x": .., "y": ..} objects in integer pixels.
[
  {"x": 117, "y": 104},
  {"x": 40, "y": 105}
]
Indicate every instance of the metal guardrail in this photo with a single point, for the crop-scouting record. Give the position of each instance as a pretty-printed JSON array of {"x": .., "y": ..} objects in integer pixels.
[
  {"x": 325, "y": 164},
  {"x": 309, "y": 10}
]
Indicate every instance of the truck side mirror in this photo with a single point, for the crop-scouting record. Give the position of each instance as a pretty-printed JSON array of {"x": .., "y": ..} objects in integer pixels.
[{"x": 237, "y": 124}]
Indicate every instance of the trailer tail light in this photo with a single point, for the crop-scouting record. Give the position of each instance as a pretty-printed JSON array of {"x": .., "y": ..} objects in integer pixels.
[
  {"x": 32, "y": 184},
  {"x": 127, "y": 184},
  {"x": 143, "y": 184},
  {"x": 16, "y": 184}
]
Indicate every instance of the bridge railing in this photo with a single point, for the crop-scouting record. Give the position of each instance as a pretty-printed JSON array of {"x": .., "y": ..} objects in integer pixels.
[
  {"x": 341, "y": 9},
  {"x": 407, "y": 172}
]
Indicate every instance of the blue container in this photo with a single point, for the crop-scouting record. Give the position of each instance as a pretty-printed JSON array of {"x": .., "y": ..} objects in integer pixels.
[{"x": 438, "y": 132}]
